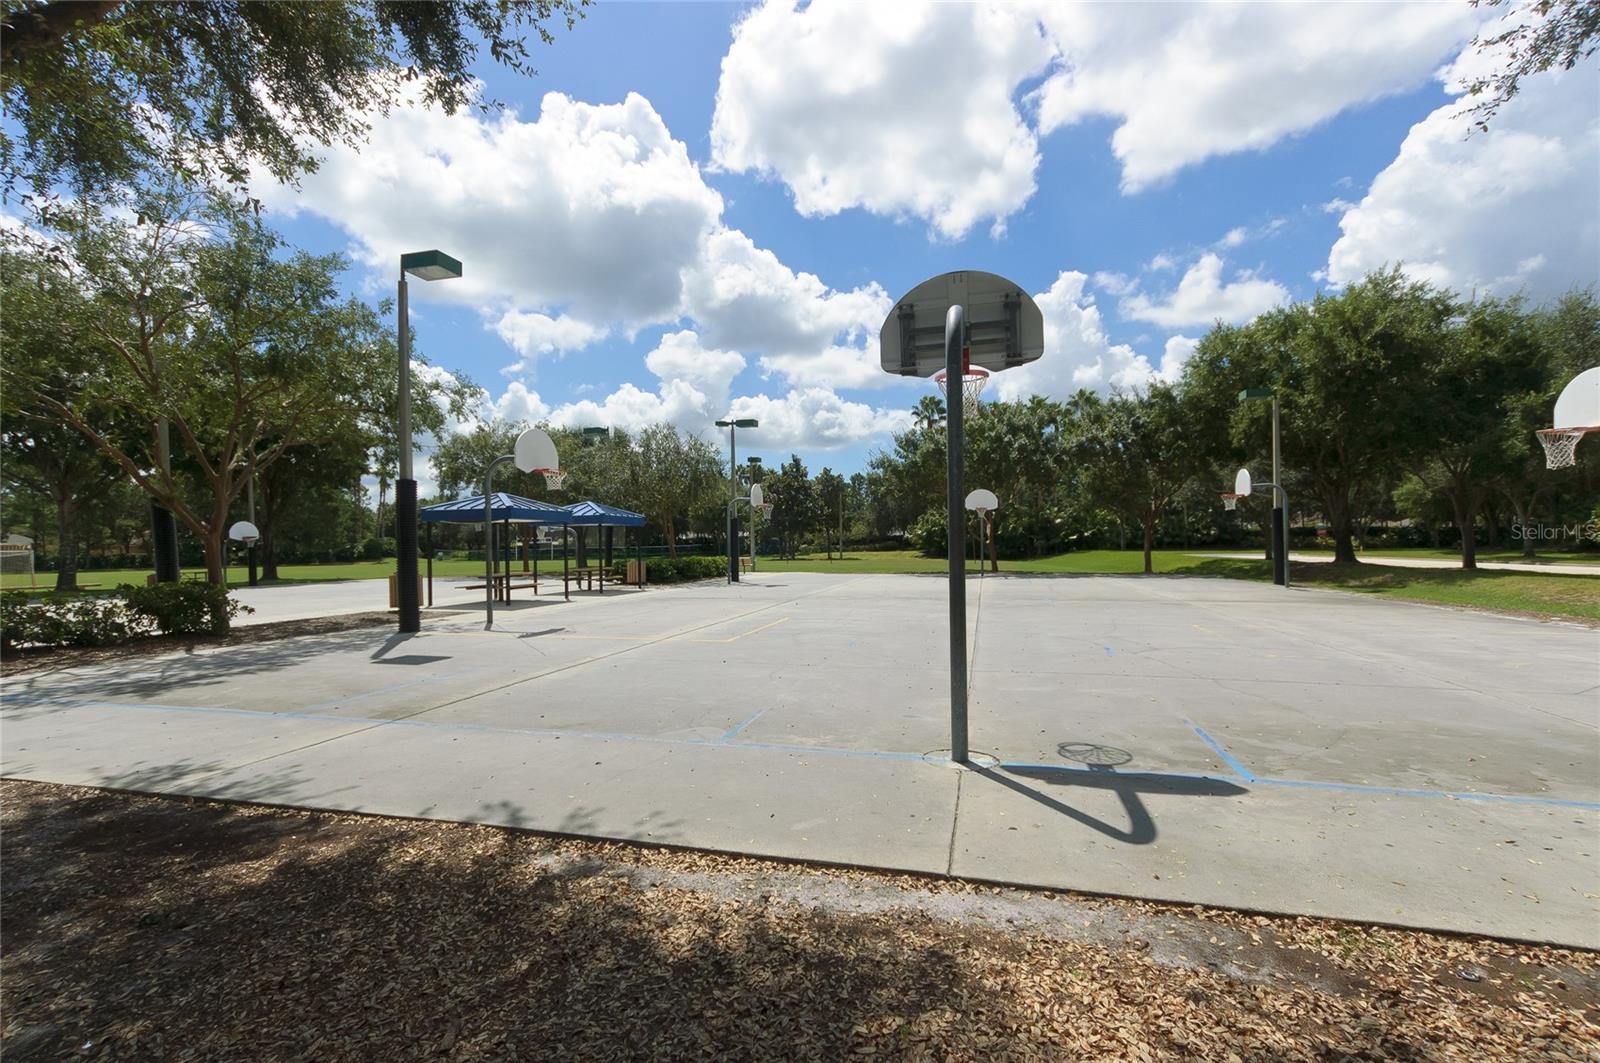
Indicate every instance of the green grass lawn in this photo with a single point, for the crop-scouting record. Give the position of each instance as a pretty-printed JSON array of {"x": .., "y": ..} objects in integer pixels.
[
  {"x": 1542, "y": 593},
  {"x": 1546, "y": 558}
]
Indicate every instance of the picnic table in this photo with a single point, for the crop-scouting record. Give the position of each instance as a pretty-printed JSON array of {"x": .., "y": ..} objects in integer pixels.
[
  {"x": 585, "y": 576},
  {"x": 503, "y": 585}
]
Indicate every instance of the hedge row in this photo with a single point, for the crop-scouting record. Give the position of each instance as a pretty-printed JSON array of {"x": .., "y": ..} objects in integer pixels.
[
  {"x": 188, "y": 607},
  {"x": 679, "y": 569}
]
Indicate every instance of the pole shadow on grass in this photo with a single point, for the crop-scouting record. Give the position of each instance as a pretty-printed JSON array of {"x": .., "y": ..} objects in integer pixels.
[{"x": 1128, "y": 786}]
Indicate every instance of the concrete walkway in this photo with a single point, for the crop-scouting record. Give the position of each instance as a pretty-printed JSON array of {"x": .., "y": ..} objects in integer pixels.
[
  {"x": 1558, "y": 568},
  {"x": 305, "y": 601},
  {"x": 1182, "y": 739}
]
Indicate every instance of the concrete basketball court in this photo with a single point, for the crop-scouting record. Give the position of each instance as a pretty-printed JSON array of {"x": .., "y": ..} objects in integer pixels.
[{"x": 1183, "y": 739}]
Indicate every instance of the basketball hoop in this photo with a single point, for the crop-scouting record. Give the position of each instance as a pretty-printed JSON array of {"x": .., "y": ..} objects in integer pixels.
[
  {"x": 1561, "y": 445},
  {"x": 553, "y": 478},
  {"x": 1230, "y": 500},
  {"x": 973, "y": 380},
  {"x": 765, "y": 509}
]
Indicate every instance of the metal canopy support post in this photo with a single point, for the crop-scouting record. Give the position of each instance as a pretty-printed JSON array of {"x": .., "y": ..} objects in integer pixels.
[
  {"x": 956, "y": 524},
  {"x": 488, "y": 536},
  {"x": 428, "y": 549},
  {"x": 566, "y": 536}
]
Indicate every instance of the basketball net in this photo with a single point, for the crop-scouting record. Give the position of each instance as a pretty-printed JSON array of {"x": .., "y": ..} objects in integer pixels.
[
  {"x": 973, "y": 380},
  {"x": 1230, "y": 500},
  {"x": 1561, "y": 445},
  {"x": 553, "y": 478}
]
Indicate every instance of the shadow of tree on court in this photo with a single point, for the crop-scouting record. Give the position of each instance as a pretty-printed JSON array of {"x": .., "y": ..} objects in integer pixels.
[
  {"x": 150, "y": 677},
  {"x": 1128, "y": 786},
  {"x": 154, "y": 927}
]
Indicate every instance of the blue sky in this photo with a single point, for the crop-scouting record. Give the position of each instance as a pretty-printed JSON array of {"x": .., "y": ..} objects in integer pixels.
[{"x": 703, "y": 207}]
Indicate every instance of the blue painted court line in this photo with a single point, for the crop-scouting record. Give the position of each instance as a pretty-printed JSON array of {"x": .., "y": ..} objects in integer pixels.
[
  {"x": 1108, "y": 651},
  {"x": 1227, "y": 758},
  {"x": 733, "y": 732},
  {"x": 830, "y": 751}
]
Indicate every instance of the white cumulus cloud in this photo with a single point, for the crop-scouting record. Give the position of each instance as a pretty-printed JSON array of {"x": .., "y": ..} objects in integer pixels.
[
  {"x": 1203, "y": 296},
  {"x": 902, "y": 109},
  {"x": 1193, "y": 81},
  {"x": 1516, "y": 208}
]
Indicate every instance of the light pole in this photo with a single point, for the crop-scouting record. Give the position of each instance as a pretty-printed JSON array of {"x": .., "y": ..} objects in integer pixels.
[
  {"x": 732, "y": 426},
  {"x": 428, "y": 266},
  {"x": 1278, "y": 537}
]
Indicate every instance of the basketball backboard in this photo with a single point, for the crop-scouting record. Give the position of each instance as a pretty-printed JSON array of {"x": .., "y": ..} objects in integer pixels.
[
  {"x": 1005, "y": 327},
  {"x": 756, "y": 497},
  {"x": 243, "y": 532},
  {"x": 1241, "y": 483},
  {"x": 1579, "y": 403},
  {"x": 535, "y": 450},
  {"x": 983, "y": 500}
]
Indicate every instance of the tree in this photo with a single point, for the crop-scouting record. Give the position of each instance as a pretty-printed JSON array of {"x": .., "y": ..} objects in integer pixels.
[
  {"x": 42, "y": 453},
  {"x": 676, "y": 472},
  {"x": 205, "y": 324},
  {"x": 1491, "y": 359},
  {"x": 1350, "y": 371},
  {"x": 797, "y": 508},
  {"x": 1539, "y": 35},
  {"x": 1136, "y": 456},
  {"x": 831, "y": 491},
  {"x": 461, "y": 459},
  {"x": 101, "y": 91}
]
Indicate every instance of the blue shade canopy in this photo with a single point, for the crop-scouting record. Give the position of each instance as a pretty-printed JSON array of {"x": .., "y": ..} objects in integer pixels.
[
  {"x": 603, "y": 515},
  {"x": 504, "y": 507}
]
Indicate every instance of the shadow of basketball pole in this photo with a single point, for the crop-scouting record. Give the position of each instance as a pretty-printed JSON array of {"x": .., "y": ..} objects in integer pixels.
[{"x": 1127, "y": 786}]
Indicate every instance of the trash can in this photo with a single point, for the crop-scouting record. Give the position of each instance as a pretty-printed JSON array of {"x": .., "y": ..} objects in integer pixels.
[
  {"x": 394, "y": 589},
  {"x": 636, "y": 572}
]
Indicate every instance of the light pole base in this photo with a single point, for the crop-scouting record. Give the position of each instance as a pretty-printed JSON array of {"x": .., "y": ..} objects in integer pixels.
[{"x": 405, "y": 499}]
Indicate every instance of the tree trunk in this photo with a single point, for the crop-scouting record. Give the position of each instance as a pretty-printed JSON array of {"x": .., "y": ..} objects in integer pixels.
[
  {"x": 267, "y": 552},
  {"x": 1466, "y": 518},
  {"x": 213, "y": 543},
  {"x": 1149, "y": 522},
  {"x": 67, "y": 567},
  {"x": 1521, "y": 513},
  {"x": 669, "y": 531},
  {"x": 1344, "y": 551}
]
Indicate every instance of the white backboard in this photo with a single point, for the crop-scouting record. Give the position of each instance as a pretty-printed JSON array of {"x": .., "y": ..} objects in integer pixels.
[
  {"x": 983, "y": 498},
  {"x": 1579, "y": 404},
  {"x": 756, "y": 497},
  {"x": 1004, "y": 325},
  {"x": 1241, "y": 482},
  {"x": 244, "y": 532},
  {"x": 535, "y": 450}
]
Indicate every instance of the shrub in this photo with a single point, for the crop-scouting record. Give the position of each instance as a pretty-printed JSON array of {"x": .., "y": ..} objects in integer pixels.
[
  {"x": 65, "y": 620},
  {"x": 188, "y": 607},
  {"x": 684, "y": 568},
  {"x": 928, "y": 533}
]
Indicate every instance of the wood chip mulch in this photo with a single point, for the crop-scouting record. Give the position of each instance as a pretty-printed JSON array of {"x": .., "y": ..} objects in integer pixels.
[{"x": 139, "y": 927}]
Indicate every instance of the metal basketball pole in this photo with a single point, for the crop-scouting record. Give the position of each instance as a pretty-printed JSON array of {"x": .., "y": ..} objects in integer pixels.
[{"x": 956, "y": 525}]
